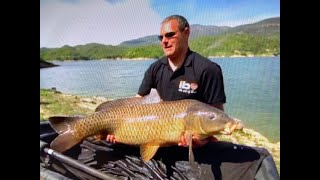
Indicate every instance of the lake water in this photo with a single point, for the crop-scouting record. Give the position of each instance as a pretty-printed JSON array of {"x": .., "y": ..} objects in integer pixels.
[{"x": 252, "y": 85}]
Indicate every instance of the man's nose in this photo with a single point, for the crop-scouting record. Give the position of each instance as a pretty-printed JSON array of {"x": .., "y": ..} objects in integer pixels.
[{"x": 164, "y": 40}]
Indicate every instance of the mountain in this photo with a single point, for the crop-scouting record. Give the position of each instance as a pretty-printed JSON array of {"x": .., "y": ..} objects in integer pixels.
[
  {"x": 259, "y": 38},
  {"x": 83, "y": 52},
  {"x": 196, "y": 32},
  {"x": 147, "y": 40},
  {"x": 266, "y": 26},
  {"x": 269, "y": 26}
]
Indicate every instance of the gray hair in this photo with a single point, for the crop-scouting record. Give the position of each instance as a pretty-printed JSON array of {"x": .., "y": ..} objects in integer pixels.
[{"x": 183, "y": 23}]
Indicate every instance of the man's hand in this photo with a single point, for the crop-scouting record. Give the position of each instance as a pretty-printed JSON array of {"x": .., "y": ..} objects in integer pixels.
[
  {"x": 196, "y": 142},
  {"x": 111, "y": 138}
]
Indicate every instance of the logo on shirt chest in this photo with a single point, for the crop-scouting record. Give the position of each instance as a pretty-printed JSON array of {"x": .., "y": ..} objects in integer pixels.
[{"x": 187, "y": 87}]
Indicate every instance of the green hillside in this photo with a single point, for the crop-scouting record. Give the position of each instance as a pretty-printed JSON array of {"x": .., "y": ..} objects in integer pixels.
[
  {"x": 257, "y": 39},
  {"x": 150, "y": 51},
  {"x": 238, "y": 44},
  {"x": 83, "y": 52}
]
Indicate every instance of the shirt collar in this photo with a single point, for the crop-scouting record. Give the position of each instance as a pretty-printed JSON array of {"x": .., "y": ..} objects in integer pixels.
[{"x": 189, "y": 58}]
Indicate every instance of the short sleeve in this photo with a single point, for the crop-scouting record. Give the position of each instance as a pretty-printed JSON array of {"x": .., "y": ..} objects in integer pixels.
[
  {"x": 147, "y": 83},
  {"x": 213, "y": 85}
]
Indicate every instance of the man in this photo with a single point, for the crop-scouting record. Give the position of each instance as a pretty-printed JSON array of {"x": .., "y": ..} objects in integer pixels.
[{"x": 184, "y": 74}]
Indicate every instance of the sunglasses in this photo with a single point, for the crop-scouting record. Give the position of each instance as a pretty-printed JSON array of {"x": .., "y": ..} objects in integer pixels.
[{"x": 167, "y": 35}]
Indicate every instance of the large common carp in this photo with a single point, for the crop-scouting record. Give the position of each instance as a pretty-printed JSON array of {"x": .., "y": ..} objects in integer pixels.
[{"x": 145, "y": 122}]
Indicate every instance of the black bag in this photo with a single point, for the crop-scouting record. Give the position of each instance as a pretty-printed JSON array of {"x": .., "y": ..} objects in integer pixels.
[{"x": 220, "y": 160}]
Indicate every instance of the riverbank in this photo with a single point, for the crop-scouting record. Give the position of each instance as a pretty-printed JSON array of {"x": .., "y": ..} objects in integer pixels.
[
  {"x": 52, "y": 102},
  {"x": 147, "y": 58},
  {"x": 237, "y": 56},
  {"x": 232, "y": 56},
  {"x": 45, "y": 64}
]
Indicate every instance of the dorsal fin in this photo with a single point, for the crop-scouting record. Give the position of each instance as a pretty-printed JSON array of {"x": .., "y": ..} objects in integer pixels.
[
  {"x": 152, "y": 97},
  {"x": 118, "y": 103}
]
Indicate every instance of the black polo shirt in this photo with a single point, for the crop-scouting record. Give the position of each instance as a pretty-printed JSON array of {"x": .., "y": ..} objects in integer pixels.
[{"x": 197, "y": 78}]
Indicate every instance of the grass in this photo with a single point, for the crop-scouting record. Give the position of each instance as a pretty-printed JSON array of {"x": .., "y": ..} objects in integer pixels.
[{"x": 54, "y": 103}]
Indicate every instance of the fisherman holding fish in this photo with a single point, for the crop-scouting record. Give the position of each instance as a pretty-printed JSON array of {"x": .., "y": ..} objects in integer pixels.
[
  {"x": 185, "y": 110},
  {"x": 185, "y": 74},
  {"x": 182, "y": 73}
]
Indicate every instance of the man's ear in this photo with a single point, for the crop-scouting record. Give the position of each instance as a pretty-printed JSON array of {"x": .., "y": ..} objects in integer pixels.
[{"x": 187, "y": 31}]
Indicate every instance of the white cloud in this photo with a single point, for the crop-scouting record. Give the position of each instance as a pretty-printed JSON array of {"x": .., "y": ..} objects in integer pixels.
[{"x": 84, "y": 21}]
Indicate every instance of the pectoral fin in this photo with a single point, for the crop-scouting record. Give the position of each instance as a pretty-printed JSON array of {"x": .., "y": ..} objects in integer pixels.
[
  {"x": 148, "y": 151},
  {"x": 191, "y": 156}
]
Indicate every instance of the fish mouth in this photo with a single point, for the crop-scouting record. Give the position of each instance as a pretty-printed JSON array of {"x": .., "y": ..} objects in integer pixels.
[
  {"x": 239, "y": 124},
  {"x": 225, "y": 133},
  {"x": 230, "y": 127}
]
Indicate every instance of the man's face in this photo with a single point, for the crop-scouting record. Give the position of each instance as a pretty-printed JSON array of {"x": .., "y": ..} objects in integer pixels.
[{"x": 173, "y": 40}]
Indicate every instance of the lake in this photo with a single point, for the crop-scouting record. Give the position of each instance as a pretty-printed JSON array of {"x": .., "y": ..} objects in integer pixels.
[{"x": 252, "y": 85}]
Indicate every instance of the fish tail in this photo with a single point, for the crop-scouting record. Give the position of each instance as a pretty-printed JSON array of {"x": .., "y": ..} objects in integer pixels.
[{"x": 64, "y": 126}]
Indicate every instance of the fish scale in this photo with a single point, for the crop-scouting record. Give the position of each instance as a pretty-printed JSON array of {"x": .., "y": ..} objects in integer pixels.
[
  {"x": 129, "y": 124},
  {"x": 163, "y": 125}
]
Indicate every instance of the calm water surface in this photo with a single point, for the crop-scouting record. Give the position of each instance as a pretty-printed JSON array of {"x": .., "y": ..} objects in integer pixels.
[{"x": 252, "y": 85}]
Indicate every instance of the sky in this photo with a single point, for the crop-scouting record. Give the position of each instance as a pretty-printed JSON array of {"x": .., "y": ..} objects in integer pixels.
[{"x": 110, "y": 22}]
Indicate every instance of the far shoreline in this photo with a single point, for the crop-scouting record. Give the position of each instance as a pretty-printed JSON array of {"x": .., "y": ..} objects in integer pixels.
[{"x": 147, "y": 58}]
